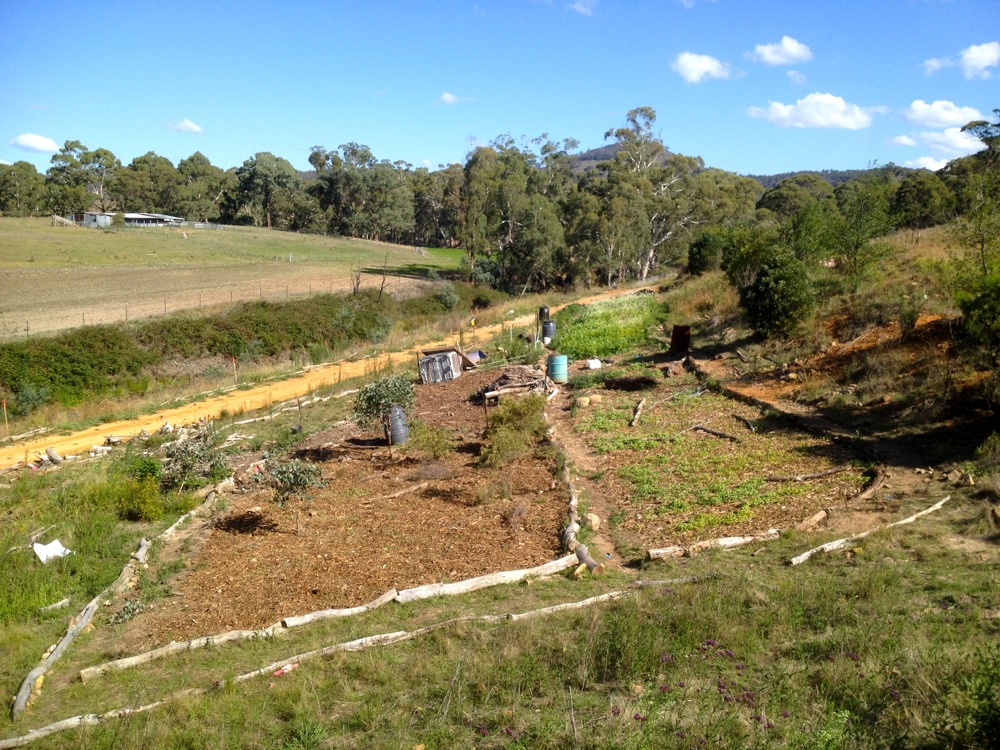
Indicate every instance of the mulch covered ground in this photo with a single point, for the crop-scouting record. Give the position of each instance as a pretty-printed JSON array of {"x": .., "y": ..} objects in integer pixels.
[{"x": 352, "y": 540}]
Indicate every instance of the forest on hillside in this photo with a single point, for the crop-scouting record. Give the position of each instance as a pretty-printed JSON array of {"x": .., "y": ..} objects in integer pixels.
[{"x": 526, "y": 215}]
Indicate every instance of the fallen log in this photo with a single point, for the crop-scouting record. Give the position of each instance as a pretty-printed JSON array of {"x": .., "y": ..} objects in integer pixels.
[
  {"x": 326, "y": 614},
  {"x": 722, "y": 543},
  {"x": 847, "y": 540},
  {"x": 493, "y": 579},
  {"x": 806, "y": 477},
  {"x": 583, "y": 555}
]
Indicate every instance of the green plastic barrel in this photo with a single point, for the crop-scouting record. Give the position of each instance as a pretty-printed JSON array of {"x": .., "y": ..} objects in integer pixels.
[{"x": 558, "y": 368}]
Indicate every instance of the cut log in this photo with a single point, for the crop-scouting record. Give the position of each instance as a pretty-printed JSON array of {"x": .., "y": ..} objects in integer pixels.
[
  {"x": 637, "y": 413},
  {"x": 583, "y": 555},
  {"x": 53, "y": 456},
  {"x": 805, "y": 477},
  {"x": 812, "y": 522},
  {"x": 848, "y": 540}
]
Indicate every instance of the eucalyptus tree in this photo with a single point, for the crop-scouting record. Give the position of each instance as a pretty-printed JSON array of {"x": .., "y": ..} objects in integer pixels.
[
  {"x": 437, "y": 204},
  {"x": 512, "y": 226},
  {"x": 150, "y": 183},
  {"x": 202, "y": 187},
  {"x": 22, "y": 190},
  {"x": 661, "y": 181},
  {"x": 79, "y": 178},
  {"x": 921, "y": 201},
  {"x": 262, "y": 182},
  {"x": 787, "y": 199}
]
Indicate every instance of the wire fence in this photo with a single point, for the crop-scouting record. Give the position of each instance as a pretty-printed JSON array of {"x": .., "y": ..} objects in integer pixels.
[{"x": 65, "y": 315}]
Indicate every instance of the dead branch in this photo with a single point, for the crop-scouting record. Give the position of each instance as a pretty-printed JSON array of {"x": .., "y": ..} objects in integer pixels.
[
  {"x": 493, "y": 579},
  {"x": 716, "y": 433},
  {"x": 749, "y": 425},
  {"x": 394, "y": 495},
  {"x": 637, "y": 413},
  {"x": 583, "y": 555},
  {"x": 805, "y": 477},
  {"x": 847, "y": 540},
  {"x": 812, "y": 522}
]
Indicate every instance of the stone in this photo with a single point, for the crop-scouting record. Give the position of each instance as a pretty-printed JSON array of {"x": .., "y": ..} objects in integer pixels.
[
  {"x": 593, "y": 521},
  {"x": 596, "y": 398},
  {"x": 583, "y": 401}
]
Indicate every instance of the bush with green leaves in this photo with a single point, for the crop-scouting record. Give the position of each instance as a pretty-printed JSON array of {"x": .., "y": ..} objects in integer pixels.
[
  {"x": 193, "y": 463},
  {"x": 374, "y": 401},
  {"x": 428, "y": 439},
  {"x": 981, "y": 316},
  {"x": 780, "y": 297},
  {"x": 512, "y": 429},
  {"x": 705, "y": 253},
  {"x": 294, "y": 477},
  {"x": 139, "y": 500},
  {"x": 447, "y": 296}
]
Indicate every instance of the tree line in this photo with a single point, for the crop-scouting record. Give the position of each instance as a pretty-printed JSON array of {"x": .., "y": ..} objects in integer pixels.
[{"x": 526, "y": 215}]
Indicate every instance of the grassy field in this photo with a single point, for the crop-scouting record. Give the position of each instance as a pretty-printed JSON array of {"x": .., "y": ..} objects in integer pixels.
[{"x": 65, "y": 277}]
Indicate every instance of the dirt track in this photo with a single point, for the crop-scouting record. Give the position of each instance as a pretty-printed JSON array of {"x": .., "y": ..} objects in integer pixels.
[{"x": 241, "y": 400}]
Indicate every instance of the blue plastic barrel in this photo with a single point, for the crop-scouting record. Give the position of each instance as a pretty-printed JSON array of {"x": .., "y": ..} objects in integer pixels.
[
  {"x": 399, "y": 430},
  {"x": 558, "y": 368}
]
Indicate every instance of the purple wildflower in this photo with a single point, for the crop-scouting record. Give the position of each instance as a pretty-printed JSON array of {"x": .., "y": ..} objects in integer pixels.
[
  {"x": 639, "y": 717},
  {"x": 785, "y": 713},
  {"x": 616, "y": 710},
  {"x": 680, "y": 684}
]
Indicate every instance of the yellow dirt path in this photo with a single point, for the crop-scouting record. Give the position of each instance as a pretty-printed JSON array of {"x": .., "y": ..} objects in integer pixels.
[{"x": 258, "y": 397}]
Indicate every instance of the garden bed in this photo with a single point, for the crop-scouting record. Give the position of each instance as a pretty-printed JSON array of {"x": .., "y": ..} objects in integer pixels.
[{"x": 381, "y": 521}]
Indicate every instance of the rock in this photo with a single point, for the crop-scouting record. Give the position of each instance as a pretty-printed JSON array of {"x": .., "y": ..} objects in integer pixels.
[
  {"x": 954, "y": 476},
  {"x": 596, "y": 398},
  {"x": 593, "y": 521},
  {"x": 583, "y": 401}
]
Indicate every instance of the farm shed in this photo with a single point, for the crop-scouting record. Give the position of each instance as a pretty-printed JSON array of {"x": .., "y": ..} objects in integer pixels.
[
  {"x": 439, "y": 365},
  {"x": 151, "y": 220},
  {"x": 92, "y": 219}
]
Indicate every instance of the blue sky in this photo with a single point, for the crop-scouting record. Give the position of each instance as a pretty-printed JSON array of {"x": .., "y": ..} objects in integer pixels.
[{"x": 751, "y": 86}]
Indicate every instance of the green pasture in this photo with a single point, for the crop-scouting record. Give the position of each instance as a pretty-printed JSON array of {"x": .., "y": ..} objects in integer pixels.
[{"x": 37, "y": 243}]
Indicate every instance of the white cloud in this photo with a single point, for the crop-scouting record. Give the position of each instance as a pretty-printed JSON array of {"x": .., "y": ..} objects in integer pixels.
[
  {"x": 186, "y": 126},
  {"x": 927, "y": 162},
  {"x": 5, "y": 162},
  {"x": 696, "y": 68},
  {"x": 583, "y": 7},
  {"x": 796, "y": 77},
  {"x": 33, "y": 142},
  {"x": 815, "y": 111},
  {"x": 935, "y": 64},
  {"x": 976, "y": 59},
  {"x": 448, "y": 98},
  {"x": 903, "y": 140},
  {"x": 951, "y": 142},
  {"x": 940, "y": 114},
  {"x": 786, "y": 52}
]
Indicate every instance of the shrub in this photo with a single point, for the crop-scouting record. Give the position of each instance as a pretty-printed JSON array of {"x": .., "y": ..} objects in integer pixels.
[
  {"x": 512, "y": 428},
  {"x": 294, "y": 477},
  {"x": 705, "y": 253},
  {"x": 430, "y": 440},
  {"x": 193, "y": 463},
  {"x": 375, "y": 399},
  {"x": 447, "y": 296},
  {"x": 779, "y": 297},
  {"x": 139, "y": 500},
  {"x": 981, "y": 316}
]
